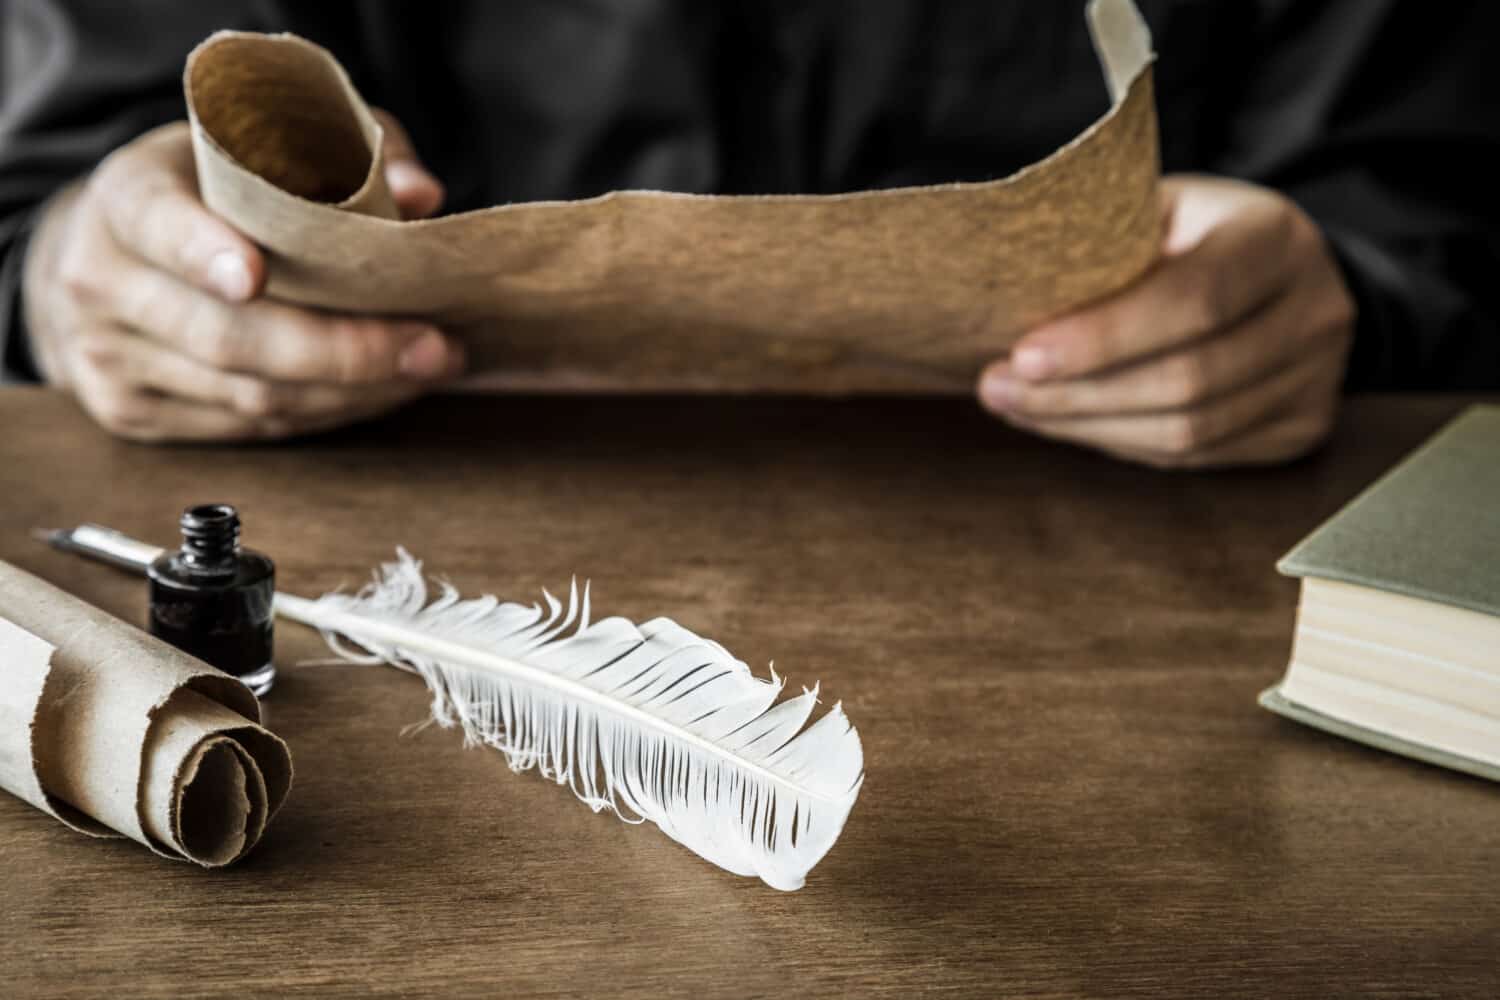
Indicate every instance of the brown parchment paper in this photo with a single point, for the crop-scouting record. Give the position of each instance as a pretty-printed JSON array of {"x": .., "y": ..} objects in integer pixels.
[
  {"x": 902, "y": 290},
  {"x": 114, "y": 732}
]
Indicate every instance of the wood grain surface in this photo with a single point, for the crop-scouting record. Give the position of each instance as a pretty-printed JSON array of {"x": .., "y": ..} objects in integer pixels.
[{"x": 1052, "y": 659}]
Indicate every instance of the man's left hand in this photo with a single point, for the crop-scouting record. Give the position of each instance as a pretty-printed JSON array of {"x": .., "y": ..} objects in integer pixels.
[{"x": 1231, "y": 350}]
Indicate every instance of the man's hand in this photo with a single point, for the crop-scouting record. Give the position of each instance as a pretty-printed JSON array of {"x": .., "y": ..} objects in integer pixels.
[
  {"x": 1230, "y": 351},
  {"x": 146, "y": 306}
]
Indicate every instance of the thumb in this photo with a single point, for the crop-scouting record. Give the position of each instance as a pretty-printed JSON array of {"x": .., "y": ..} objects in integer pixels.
[{"x": 418, "y": 194}]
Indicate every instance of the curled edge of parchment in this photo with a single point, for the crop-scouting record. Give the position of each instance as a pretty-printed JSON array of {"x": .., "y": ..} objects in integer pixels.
[
  {"x": 894, "y": 290},
  {"x": 114, "y": 732}
]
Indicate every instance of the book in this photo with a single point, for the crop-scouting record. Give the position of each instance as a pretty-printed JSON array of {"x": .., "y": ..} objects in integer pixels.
[{"x": 1397, "y": 642}]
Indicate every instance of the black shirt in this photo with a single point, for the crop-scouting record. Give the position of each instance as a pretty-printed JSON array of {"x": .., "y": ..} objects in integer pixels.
[{"x": 1380, "y": 117}]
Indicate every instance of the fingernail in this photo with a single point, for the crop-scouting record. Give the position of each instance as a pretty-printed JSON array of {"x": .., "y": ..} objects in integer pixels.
[
  {"x": 426, "y": 357},
  {"x": 230, "y": 276},
  {"x": 1034, "y": 362},
  {"x": 998, "y": 391},
  {"x": 404, "y": 175}
]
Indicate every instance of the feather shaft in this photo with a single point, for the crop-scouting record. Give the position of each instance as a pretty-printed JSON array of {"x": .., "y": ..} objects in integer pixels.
[{"x": 325, "y": 619}]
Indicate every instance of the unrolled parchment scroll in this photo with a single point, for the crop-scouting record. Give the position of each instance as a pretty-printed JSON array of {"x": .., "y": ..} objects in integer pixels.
[
  {"x": 900, "y": 290},
  {"x": 114, "y": 732}
]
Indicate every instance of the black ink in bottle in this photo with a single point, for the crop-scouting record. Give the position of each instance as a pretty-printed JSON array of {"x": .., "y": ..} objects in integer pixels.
[{"x": 212, "y": 598}]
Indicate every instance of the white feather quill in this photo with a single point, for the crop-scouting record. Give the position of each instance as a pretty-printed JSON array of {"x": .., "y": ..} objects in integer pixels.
[{"x": 650, "y": 721}]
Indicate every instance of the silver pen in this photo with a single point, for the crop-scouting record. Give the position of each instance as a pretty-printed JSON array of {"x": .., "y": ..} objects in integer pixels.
[
  {"x": 95, "y": 541},
  {"x": 104, "y": 544}
]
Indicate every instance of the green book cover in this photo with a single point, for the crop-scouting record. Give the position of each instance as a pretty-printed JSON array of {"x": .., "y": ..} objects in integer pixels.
[{"x": 1429, "y": 528}]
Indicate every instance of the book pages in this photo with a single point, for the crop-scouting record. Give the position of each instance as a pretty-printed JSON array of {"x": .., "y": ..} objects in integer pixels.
[
  {"x": 899, "y": 290},
  {"x": 114, "y": 732}
]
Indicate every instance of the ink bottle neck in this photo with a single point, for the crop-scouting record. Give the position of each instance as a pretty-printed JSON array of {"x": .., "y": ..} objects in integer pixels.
[{"x": 210, "y": 540}]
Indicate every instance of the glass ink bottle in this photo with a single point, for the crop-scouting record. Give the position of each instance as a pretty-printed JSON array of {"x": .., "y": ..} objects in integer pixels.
[{"x": 212, "y": 598}]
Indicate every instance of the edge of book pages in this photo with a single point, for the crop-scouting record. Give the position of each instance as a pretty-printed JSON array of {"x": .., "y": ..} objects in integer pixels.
[{"x": 1273, "y": 700}]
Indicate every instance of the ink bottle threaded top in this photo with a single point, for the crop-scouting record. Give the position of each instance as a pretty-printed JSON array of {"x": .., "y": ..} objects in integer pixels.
[{"x": 212, "y": 598}]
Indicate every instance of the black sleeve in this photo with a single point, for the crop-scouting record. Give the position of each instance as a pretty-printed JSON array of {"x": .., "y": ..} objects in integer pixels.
[
  {"x": 81, "y": 78},
  {"x": 1380, "y": 118}
]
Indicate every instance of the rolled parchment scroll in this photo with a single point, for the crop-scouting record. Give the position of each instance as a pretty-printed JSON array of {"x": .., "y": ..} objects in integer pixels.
[
  {"x": 114, "y": 732},
  {"x": 901, "y": 290}
]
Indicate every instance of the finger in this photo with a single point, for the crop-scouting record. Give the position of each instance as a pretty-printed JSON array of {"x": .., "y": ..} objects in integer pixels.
[
  {"x": 141, "y": 415},
  {"x": 1266, "y": 340},
  {"x": 1281, "y": 439},
  {"x": 417, "y": 192},
  {"x": 149, "y": 417},
  {"x": 169, "y": 419},
  {"x": 143, "y": 364},
  {"x": 279, "y": 341},
  {"x": 1185, "y": 432},
  {"x": 1232, "y": 270},
  {"x": 298, "y": 404},
  {"x": 150, "y": 202},
  {"x": 315, "y": 420}
]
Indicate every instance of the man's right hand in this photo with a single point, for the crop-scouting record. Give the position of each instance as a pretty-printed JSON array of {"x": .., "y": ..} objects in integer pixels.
[{"x": 147, "y": 307}]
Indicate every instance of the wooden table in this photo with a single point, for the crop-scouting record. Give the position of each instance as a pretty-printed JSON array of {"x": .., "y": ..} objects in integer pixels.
[{"x": 1052, "y": 660}]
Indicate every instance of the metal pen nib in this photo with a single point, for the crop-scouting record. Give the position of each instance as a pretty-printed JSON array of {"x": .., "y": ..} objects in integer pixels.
[
  {"x": 104, "y": 544},
  {"x": 55, "y": 537}
]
